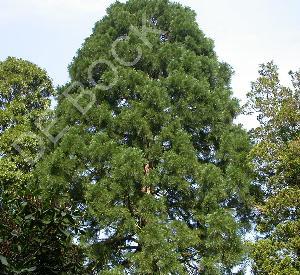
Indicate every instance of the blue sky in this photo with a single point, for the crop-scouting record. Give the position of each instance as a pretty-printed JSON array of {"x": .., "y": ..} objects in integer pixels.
[{"x": 246, "y": 34}]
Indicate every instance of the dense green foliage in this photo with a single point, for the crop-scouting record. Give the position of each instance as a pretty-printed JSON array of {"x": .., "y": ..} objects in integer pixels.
[
  {"x": 156, "y": 164},
  {"x": 33, "y": 236},
  {"x": 276, "y": 161},
  {"x": 140, "y": 168}
]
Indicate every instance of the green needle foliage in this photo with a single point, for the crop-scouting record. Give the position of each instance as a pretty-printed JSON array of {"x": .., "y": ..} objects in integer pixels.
[
  {"x": 33, "y": 236},
  {"x": 276, "y": 161},
  {"x": 156, "y": 164}
]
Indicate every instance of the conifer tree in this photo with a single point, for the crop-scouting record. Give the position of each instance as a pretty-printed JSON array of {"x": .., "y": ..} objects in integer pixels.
[
  {"x": 276, "y": 161},
  {"x": 151, "y": 156}
]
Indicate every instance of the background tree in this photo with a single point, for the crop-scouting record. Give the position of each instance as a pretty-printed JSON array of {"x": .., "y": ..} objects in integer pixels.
[
  {"x": 276, "y": 161},
  {"x": 156, "y": 163},
  {"x": 33, "y": 233}
]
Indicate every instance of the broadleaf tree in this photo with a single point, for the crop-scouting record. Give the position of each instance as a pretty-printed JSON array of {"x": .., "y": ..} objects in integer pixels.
[
  {"x": 34, "y": 235},
  {"x": 151, "y": 156},
  {"x": 276, "y": 162}
]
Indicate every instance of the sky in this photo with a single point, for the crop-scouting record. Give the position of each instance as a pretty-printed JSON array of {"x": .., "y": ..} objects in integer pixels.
[{"x": 246, "y": 34}]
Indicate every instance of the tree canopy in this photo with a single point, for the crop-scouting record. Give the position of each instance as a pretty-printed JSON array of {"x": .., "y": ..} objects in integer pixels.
[
  {"x": 34, "y": 235},
  {"x": 152, "y": 156},
  {"x": 276, "y": 161},
  {"x": 140, "y": 168}
]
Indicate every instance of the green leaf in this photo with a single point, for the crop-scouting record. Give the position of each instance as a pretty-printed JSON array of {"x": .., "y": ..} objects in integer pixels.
[{"x": 4, "y": 260}]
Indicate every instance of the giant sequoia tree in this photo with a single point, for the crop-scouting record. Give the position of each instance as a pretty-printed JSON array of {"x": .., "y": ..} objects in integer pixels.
[
  {"x": 151, "y": 156},
  {"x": 276, "y": 161}
]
